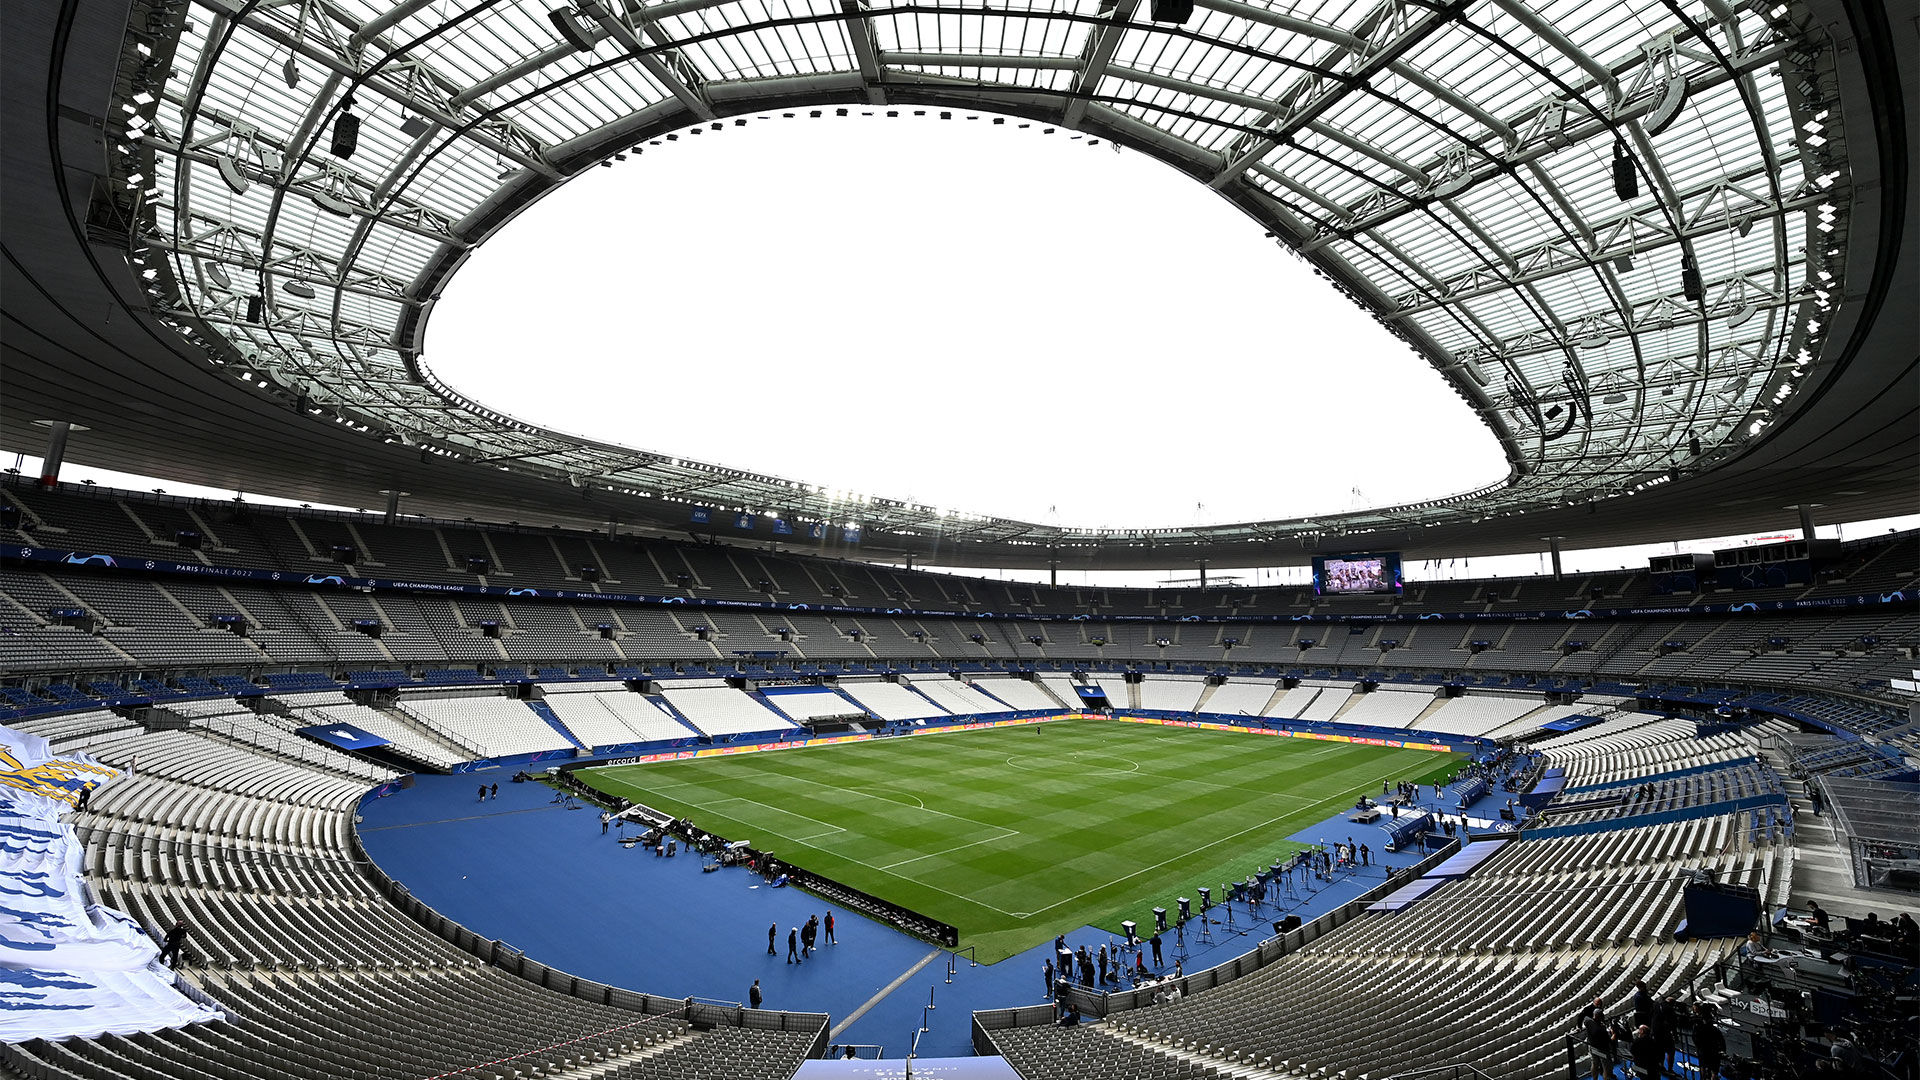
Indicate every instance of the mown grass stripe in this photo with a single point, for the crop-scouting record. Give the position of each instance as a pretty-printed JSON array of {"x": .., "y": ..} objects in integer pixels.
[{"x": 1016, "y": 834}]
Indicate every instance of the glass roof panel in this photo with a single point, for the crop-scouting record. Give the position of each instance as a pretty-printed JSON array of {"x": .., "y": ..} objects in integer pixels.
[{"x": 1529, "y": 262}]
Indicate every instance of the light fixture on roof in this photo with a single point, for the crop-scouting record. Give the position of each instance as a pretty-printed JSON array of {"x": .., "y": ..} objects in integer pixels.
[
  {"x": 217, "y": 274},
  {"x": 415, "y": 126},
  {"x": 573, "y": 28},
  {"x": 298, "y": 288},
  {"x": 290, "y": 71},
  {"x": 236, "y": 180},
  {"x": 1673, "y": 94},
  {"x": 332, "y": 203},
  {"x": 1741, "y": 315}
]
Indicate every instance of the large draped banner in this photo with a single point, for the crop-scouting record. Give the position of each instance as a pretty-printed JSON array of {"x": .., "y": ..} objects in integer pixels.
[{"x": 67, "y": 965}]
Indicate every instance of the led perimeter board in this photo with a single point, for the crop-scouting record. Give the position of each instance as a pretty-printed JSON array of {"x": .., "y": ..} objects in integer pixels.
[{"x": 1374, "y": 573}]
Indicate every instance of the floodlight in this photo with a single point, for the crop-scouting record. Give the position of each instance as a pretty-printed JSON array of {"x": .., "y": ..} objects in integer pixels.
[
  {"x": 572, "y": 27},
  {"x": 1672, "y": 96},
  {"x": 332, "y": 204},
  {"x": 230, "y": 172}
]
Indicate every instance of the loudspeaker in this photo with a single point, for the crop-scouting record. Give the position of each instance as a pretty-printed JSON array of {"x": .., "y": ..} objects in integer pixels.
[
  {"x": 589, "y": 573},
  {"x": 1690, "y": 282},
  {"x": 476, "y": 564},
  {"x": 254, "y": 306},
  {"x": 1626, "y": 181},
  {"x": 346, "y": 135},
  {"x": 1172, "y": 11}
]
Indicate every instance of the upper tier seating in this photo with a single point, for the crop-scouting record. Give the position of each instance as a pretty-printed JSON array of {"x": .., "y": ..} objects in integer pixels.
[{"x": 167, "y": 622}]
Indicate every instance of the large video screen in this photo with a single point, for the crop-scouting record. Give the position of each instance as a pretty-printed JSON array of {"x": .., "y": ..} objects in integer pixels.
[{"x": 1339, "y": 574}]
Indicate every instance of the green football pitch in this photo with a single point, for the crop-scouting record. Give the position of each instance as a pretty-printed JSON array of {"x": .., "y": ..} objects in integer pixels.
[{"x": 1016, "y": 834}]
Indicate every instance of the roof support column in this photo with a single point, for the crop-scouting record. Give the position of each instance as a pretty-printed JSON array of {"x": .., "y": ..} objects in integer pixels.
[
  {"x": 1553, "y": 549},
  {"x": 56, "y": 454},
  {"x": 1806, "y": 519},
  {"x": 393, "y": 504}
]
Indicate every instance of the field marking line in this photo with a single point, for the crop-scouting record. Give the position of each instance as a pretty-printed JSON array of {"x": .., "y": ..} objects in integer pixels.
[
  {"x": 831, "y": 827},
  {"x": 1155, "y": 866},
  {"x": 923, "y": 808},
  {"x": 884, "y": 991},
  {"x": 1083, "y": 766},
  {"x": 916, "y": 799},
  {"x": 946, "y": 851},
  {"x": 1203, "y": 783}
]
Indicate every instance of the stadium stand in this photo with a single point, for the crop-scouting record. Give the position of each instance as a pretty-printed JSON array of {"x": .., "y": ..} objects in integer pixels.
[
  {"x": 1528, "y": 967},
  {"x": 499, "y": 726},
  {"x": 1386, "y": 708},
  {"x": 1172, "y": 693},
  {"x": 890, "y": 701},
  {"x": 1017, "y": 693},
  {"x": 1240, "y": 697},
  {"x": 723, "y": 710},
  {"x": 242, "y": 825},
  {"x": 954, "y": 696}
]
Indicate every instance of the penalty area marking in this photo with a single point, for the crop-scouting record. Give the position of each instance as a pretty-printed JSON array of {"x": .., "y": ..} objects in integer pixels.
[
  {"x": 951, "y": 850},
  {"x": 828, "y": 827}
]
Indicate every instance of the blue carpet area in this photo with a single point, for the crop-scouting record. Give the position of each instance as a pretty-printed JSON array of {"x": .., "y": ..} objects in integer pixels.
[{"x": 525, "y": 870}]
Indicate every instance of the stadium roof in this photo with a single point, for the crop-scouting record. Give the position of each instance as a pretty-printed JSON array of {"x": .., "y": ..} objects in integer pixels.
[{"x": 1654, "y": 245}]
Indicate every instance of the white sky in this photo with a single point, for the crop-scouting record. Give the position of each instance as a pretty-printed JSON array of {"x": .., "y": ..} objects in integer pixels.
[{"x": 979, "y": 317}]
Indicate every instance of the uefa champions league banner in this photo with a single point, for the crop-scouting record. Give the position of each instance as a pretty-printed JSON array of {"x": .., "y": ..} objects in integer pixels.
[{"x": 67, "y": 965}]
